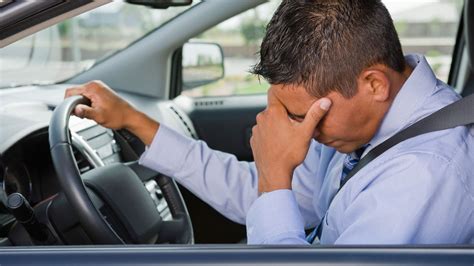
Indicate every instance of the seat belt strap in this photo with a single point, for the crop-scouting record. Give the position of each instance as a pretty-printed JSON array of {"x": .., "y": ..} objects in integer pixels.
[{"x": 460, "y": 113}]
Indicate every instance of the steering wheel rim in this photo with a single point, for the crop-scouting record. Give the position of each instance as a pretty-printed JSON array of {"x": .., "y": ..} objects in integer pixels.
[{"x": 74, "y": 189}]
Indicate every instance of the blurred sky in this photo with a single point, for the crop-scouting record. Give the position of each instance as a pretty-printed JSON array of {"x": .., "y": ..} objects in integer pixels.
[
  {"x": 399, "y": 5},
  {"x": 394, "y": 6},
  {"x": 266, "y": 10}
]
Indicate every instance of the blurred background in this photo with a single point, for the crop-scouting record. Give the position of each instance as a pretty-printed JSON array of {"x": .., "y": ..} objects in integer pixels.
[{"x": 428, "y": 27}]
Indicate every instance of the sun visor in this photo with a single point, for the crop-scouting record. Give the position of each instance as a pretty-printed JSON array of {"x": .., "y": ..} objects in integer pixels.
[{"x": 20, "y": 18}]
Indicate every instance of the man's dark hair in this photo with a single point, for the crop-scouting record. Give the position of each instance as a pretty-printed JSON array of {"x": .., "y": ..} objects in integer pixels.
[{"x": 323, "y": 45}]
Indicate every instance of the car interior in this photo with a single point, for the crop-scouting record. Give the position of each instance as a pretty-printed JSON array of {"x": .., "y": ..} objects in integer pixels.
[{"x": 70, "y": 181}]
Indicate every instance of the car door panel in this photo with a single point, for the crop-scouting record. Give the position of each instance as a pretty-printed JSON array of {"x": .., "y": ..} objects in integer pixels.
[
  {"x": 236, "y": 255},
  {"x": 225, "y": 123}
]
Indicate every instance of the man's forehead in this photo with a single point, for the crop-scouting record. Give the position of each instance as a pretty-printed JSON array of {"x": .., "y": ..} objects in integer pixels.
[{"x": 294, "y": 98}]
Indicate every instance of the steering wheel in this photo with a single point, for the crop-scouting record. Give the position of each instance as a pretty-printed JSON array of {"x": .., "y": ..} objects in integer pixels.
[{"x": 111, "y": 202}]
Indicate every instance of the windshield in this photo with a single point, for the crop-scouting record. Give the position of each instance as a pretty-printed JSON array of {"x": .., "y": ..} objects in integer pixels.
[{"x": 74, "y": 45}]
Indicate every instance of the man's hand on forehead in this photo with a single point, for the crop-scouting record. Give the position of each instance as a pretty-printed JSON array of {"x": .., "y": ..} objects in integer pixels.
[
  {"x": 273, "y": 101},
  {"x": 279, "y": 144}
]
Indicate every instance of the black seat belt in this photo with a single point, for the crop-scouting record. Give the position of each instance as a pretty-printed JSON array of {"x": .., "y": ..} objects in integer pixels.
[{"x": 460, "y": 113}]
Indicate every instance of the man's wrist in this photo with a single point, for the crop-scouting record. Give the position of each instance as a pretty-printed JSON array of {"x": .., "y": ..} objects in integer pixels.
[
  {"x": 141, "y": 125},
  {"x": 274, "y": 182},
  {"x": 271, "y": 188},
  {"x": 132, "y": 118}
]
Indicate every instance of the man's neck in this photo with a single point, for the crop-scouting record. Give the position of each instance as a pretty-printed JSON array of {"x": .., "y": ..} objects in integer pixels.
[{"x": 398, "y": 80}]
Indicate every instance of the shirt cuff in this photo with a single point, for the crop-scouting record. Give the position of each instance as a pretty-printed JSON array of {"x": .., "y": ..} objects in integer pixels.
[
  {"x": 272, "y": 216},
  {"x": 167, "y": 152}
]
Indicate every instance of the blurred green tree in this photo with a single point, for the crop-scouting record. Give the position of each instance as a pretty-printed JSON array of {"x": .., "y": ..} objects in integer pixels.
[{"x": 252, "y": 28}]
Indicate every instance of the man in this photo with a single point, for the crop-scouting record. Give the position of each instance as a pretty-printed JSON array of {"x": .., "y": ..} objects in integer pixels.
[{"x": 339, "y": 87}]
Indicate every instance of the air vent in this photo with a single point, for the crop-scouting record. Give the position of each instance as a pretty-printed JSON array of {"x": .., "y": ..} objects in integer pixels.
[
  {"x": 188, "y": 128},
  {"x": 208, "y": 103},
  {"x": 102, "y": 141}
]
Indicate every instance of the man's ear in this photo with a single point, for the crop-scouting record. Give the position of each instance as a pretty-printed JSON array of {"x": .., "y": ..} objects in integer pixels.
[{"x": 375, "y": 82}]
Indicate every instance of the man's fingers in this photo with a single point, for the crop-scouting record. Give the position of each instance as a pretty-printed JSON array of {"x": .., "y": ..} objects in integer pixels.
[
  {"x": 87, "y": 89},
  {"x": 274, "y": 104},
  {"x": 79, "y": 90},
  {"x": 316, "y": 113},
  {"x": 272, "y": 99},
  {"x": 84, "y": 111}
]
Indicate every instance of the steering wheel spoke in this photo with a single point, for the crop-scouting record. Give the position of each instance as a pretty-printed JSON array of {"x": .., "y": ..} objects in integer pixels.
[{"x": 111, "y": 202}]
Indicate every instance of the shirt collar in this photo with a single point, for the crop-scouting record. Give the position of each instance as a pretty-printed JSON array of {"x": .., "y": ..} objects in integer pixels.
[{"x": 421, "y": 83}]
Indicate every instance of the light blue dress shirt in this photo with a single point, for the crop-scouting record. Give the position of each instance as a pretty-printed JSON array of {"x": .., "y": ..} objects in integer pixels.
[{"x": 419, "y": 192}]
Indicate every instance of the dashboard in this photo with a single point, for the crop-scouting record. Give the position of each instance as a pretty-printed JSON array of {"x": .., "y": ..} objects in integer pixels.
[
  {"x": 25, "y": 161},
  {"x": 27, "y": 167}
]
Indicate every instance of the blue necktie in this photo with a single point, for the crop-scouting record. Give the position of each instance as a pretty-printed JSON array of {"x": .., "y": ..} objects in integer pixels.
[{"x": 350, "y": 161}]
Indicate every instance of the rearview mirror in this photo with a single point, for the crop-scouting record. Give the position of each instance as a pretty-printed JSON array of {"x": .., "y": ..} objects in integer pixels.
[
  {"x": 202, "y": 64},
  {"x": 160, "y": 4}
]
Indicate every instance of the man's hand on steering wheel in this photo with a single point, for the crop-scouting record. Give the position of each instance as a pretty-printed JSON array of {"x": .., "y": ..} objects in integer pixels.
[
  {"x": 119, "y": 186},
  {"x": 110, "y": 110}
]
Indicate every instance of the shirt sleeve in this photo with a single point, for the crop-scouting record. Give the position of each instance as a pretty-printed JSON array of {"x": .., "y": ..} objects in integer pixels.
[
  {"x": 275, "y": 218},
  {"x": 228, "y": 185}
]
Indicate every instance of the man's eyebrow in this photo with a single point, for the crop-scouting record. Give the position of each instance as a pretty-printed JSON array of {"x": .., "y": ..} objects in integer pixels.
[{"x": 293, "y": 116}]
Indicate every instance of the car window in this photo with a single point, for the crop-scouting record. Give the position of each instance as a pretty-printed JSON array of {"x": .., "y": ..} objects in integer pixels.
[
  {"x": 240, "y": 39},
  {"x": 427, "y": 27},
  {"x": 74, "y": 45}
]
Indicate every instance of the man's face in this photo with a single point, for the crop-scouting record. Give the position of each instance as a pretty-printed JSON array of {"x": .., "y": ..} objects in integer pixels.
[{"x": 347, "y": 125}]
